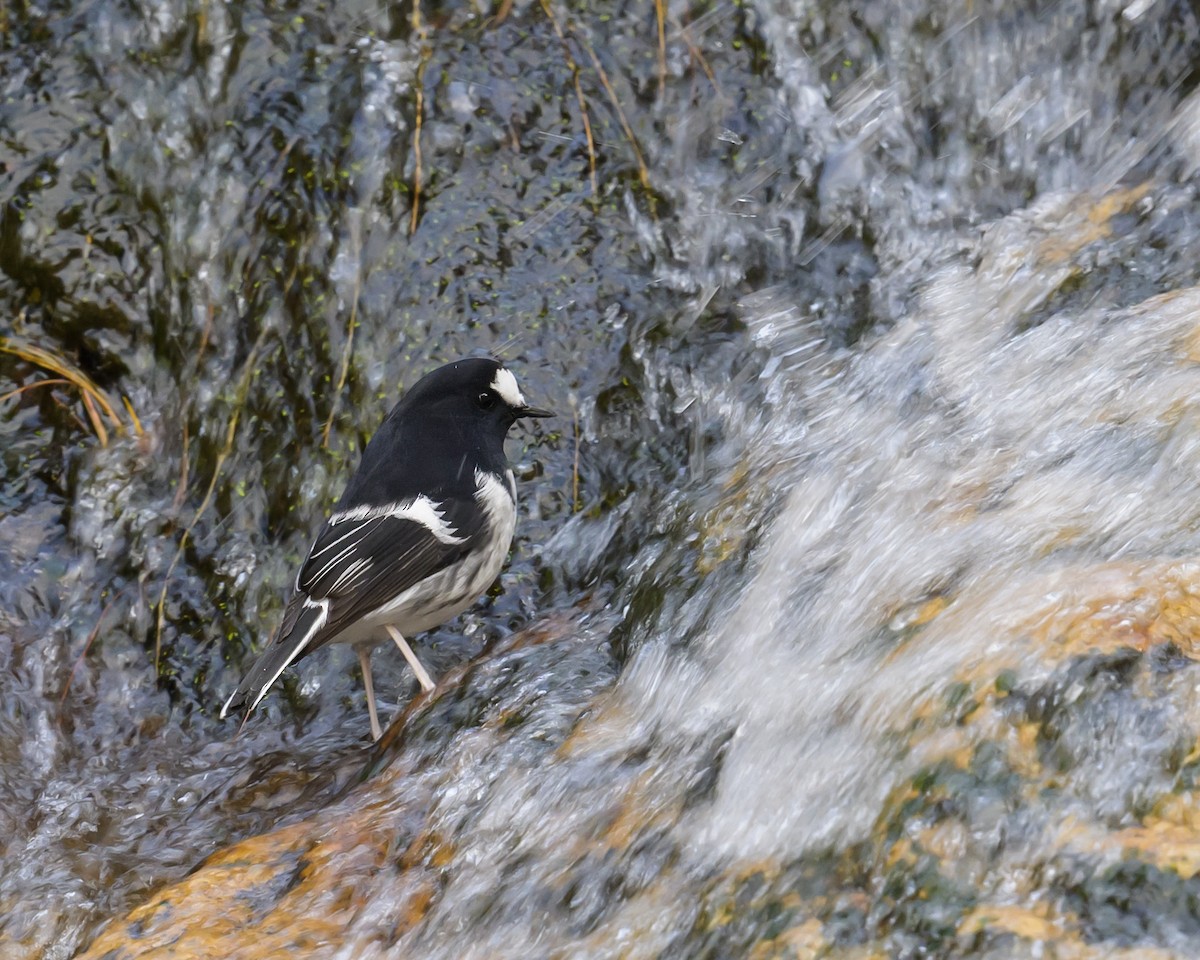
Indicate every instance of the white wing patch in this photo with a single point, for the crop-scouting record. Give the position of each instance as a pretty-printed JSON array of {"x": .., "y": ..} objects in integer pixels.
[
  {"x": 333, "y": 561},
  {"x": 349, "y": 577},
  {"x": 421, "y": 509},
  {"x": 354, "y": 532},
  {"x": 505, "y": 384}
]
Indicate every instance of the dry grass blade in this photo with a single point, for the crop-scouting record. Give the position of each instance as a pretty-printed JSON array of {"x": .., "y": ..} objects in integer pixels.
[
  {"x": 660, "y": 13},
  {"x": 230, "y": 435},
  {"x": 348, "y": 349},
  {"x": 210, "y": 316},
  {"x": 583, "y": 110},
  {"x": 643, "y": 172},
  {"x": 95, "y": 418},
  {"x": 344, "y": 371},
  {"x": 415, "y": 215},
  {"x": 698, "y": 55},
  {"x": 95, "y": 400},
  {"x": 133, "y": 417},
  {"x": 575, "y": 466},
  {"x": 31, "y": 386},
  {"x": 184, "y": 466},
  {"x": 95, "y": 632},
  {"x": 419, "y": 29},
  {"x": 501, "y": 13},
  {"x": 692, "y": 31}
]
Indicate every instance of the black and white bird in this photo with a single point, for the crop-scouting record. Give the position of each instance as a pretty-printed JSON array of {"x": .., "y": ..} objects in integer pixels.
[{"x": 420, "y": 532}]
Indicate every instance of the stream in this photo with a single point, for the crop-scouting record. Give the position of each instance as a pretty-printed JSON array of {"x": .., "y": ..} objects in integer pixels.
[{"x": 855, "y": 596}]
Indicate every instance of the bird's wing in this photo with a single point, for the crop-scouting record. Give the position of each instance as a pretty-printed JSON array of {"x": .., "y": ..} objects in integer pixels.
[
  {"x": 365, "y": 558},
  {"x": 362, "y": 559}
]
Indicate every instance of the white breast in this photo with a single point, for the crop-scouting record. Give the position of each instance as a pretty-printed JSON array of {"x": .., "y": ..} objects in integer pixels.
[{"x": 446, "y": 594}]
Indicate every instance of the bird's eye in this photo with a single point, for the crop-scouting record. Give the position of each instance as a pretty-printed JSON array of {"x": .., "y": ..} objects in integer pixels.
[{"x": 486, "y": 400}]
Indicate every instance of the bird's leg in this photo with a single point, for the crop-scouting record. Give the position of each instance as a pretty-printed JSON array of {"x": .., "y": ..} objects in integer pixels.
[
  {"x": 364, "y": 660},
  {"x": 422, "y": 675}
]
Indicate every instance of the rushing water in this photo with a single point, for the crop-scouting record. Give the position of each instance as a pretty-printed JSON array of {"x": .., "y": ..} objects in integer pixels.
[{"x": 854, "y": 604}]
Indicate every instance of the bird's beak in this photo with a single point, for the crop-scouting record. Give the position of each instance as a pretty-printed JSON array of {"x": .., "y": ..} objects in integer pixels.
[{"x": 534, "y": 412}]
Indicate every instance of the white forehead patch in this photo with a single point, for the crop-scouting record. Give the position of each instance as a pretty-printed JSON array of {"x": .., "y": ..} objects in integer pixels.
[{"x": 505, "y": 384}]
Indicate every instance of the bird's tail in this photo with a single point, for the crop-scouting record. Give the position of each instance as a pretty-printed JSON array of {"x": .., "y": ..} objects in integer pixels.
[{"x": 302, "y": 621}]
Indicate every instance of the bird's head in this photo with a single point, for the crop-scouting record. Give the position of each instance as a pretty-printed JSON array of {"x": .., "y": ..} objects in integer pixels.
[{"x": 479, "y": 393}]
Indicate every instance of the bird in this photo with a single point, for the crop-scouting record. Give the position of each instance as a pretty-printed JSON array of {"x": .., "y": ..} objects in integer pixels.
[{"x": 421, "y": 530}]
